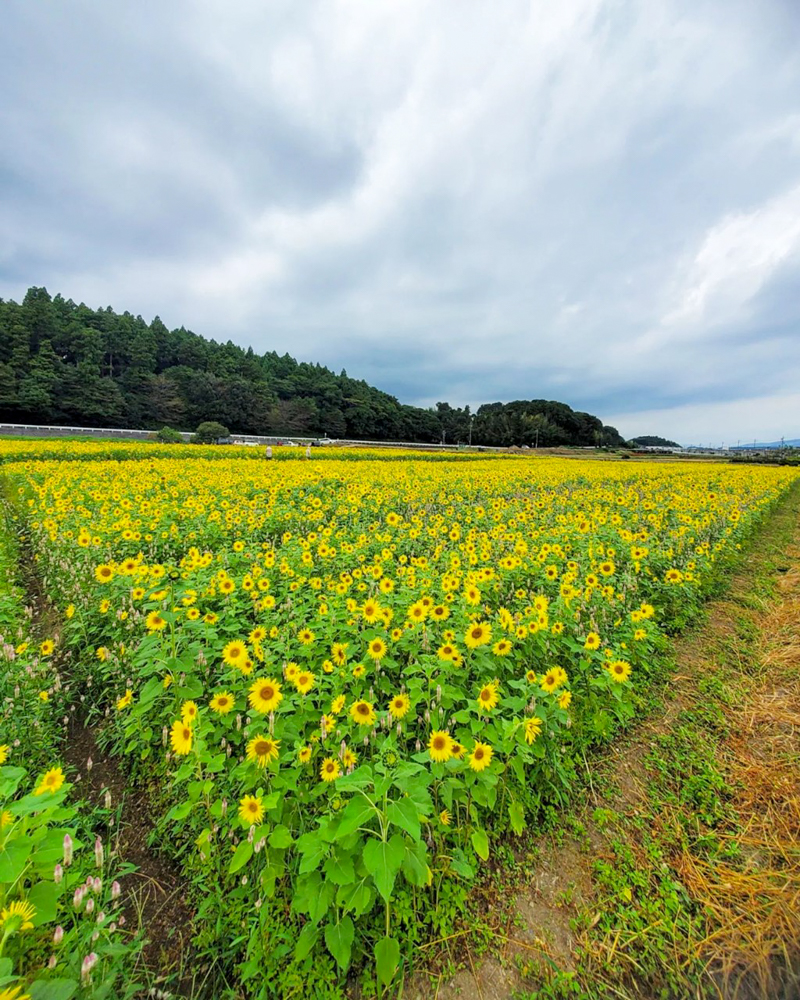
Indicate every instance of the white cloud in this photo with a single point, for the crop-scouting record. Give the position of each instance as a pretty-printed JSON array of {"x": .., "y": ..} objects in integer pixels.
[
  {"x": 760, "y": 418},
  {"x": 586, "y": 199}
]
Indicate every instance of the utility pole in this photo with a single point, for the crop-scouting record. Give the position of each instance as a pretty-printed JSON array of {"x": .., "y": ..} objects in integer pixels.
[{"x": 471, "y": 419}]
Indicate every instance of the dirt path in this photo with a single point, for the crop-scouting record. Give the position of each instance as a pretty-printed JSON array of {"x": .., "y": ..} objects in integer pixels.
[
  {"x": 680, "y": 874},
  {"x": 155, "y": 896}
]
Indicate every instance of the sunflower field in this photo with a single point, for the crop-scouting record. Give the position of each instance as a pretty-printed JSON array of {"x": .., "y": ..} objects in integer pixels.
[{"x": 346, "y": 681}]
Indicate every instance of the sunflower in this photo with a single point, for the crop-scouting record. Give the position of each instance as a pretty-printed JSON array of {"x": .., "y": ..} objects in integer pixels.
[
  {"x": 444, "y": 817},
  {"x": 458, "y": 749},
  {"x": 221, "y": 703},
  {"x": 235, "y": 653},
  {"x": 339, "y": 653},
  {"x": 47, "y": 647},
  {"x": 502, "y": 647},
  {"x": 188, "y": 712},
  {"x": 479, "y": 634},
  {"x": 258, "y": 634},
  {"x": 620, "y": 670},
  {"x": 487, "y": 697},
  {"x": 154, "y": 622},
  {"x": 181, "y": 737},
  {"x": 125, "y": 700},
  {"x": 440, "y": 746},
  {"x": 533, "y": 726},
  {"x": 304, "y": 754},
  {"x": 51, "y": 781},
  {"x": 104, "y": 573},
  {"x": 265, "y": 695},
  {"x": 17, "y": 916},
  {"x": 306, "y": 636},
  {"x": 592, "y": 641},
  {"x": 549, "y": 682},
  {"x": 251, "y": 810},
  {"x": 263, "y": 749},
  {"x": 337, "y": 704},
  {"x": 362, "y": 713},
  {"x": 565, "y": 699},
  {"x": 481, "y": 756},
  {"x": 304, "y": 681},
  {"x": 330, "y": 769},
  {"x": 349, "y": 759},
  {"x": 399, "y": 705},
  {"x": 3, "y": 752},
  {"x": 371, "y": 612},
  {"x": 377, "y": 649}
]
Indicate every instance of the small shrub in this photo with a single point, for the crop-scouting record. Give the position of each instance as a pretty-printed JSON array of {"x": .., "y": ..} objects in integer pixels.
[
  {"x": 209, "y": 432},
  {"x": 168, "y": 435}
]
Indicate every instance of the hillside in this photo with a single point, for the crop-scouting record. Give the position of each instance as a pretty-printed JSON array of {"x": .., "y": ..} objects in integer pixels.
[{"x": 66, "y": 363}]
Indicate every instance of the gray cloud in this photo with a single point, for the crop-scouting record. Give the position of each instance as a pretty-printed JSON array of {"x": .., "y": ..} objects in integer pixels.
[{"x": 591, "y": 201}]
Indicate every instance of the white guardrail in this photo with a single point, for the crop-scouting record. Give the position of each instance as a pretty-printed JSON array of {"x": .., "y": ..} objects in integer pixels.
[{"x": 46, "y": 430}]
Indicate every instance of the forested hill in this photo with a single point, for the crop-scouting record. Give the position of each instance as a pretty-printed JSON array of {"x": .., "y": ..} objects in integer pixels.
[{"x": 65, "y": 363}]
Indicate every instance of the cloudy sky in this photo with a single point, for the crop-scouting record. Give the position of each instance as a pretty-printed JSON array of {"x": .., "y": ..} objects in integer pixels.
[{"x": 596, "y": 201}]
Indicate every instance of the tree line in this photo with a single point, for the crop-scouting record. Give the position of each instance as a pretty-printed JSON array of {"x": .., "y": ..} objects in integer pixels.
[{"x": 62, "y": 363}]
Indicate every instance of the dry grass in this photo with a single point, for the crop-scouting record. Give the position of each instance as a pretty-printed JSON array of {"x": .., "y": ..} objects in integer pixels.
[{"x": 752, "y": 907}]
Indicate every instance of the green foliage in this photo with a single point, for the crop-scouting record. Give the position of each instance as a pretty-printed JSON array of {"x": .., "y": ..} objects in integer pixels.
[
  {"x": 168, "y": 435},
  {"x": 69, "y": 364},
  {"x": 209, "y": 432}
]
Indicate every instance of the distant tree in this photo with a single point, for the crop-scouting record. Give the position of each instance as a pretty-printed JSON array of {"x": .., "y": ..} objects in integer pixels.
[
  {"x": 168, "y": 435},
  {"x": 62, "y": 362},
  {"x": 653, "y": 441},
  {"x": 209, "y": 432}
]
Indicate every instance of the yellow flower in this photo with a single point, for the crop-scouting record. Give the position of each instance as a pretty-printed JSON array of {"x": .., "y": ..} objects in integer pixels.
[
  {"x": 51, "y": 781},
  {"x": 362, "y": 713},
  {"x": 444, "y": 817},
  {"x": 487, "y": 697},
  {"x": 154, "y": 622},
  {"x": 125, "y": 700},
  {"x": 533, "y": 727},
  {"x": 44, "y": 696},
  {"x": 189, "y": 712},
  {"x": 377, "y": 649},
  {"x": 620, "y": 670},
  {"x": 399, "y": 705},
  {"x": 251, "y": 810},
  {"x": 304, "y": 754},
  {"x": 481, "y": 756},
  {"x": 235, "y": 653},
  {"x": 337, "y": 704},
  {"x": 565, "y": 699},
  {"x": 479, "y": 634},
  {"x": 330, "y": 769},
  {"x": 181, "y": 737},
  {"x": 304, "y": 681},
  {"x": 592, "y": 641},
  {"x": 440, "y": 746},
  {"x": 265, "y": 695},
  {"x": 221, "y": 703},
  {"x": 104, "y": 573},
  {"x": 262, "y": 750},
  {"x": 47, "y": 647},
  {"x": 3, "y": 752},
  {"x": 17, "y": 916}
]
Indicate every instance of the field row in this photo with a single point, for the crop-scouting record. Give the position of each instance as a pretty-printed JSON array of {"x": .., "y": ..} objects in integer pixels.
[{"x": 349, "y": 679}]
